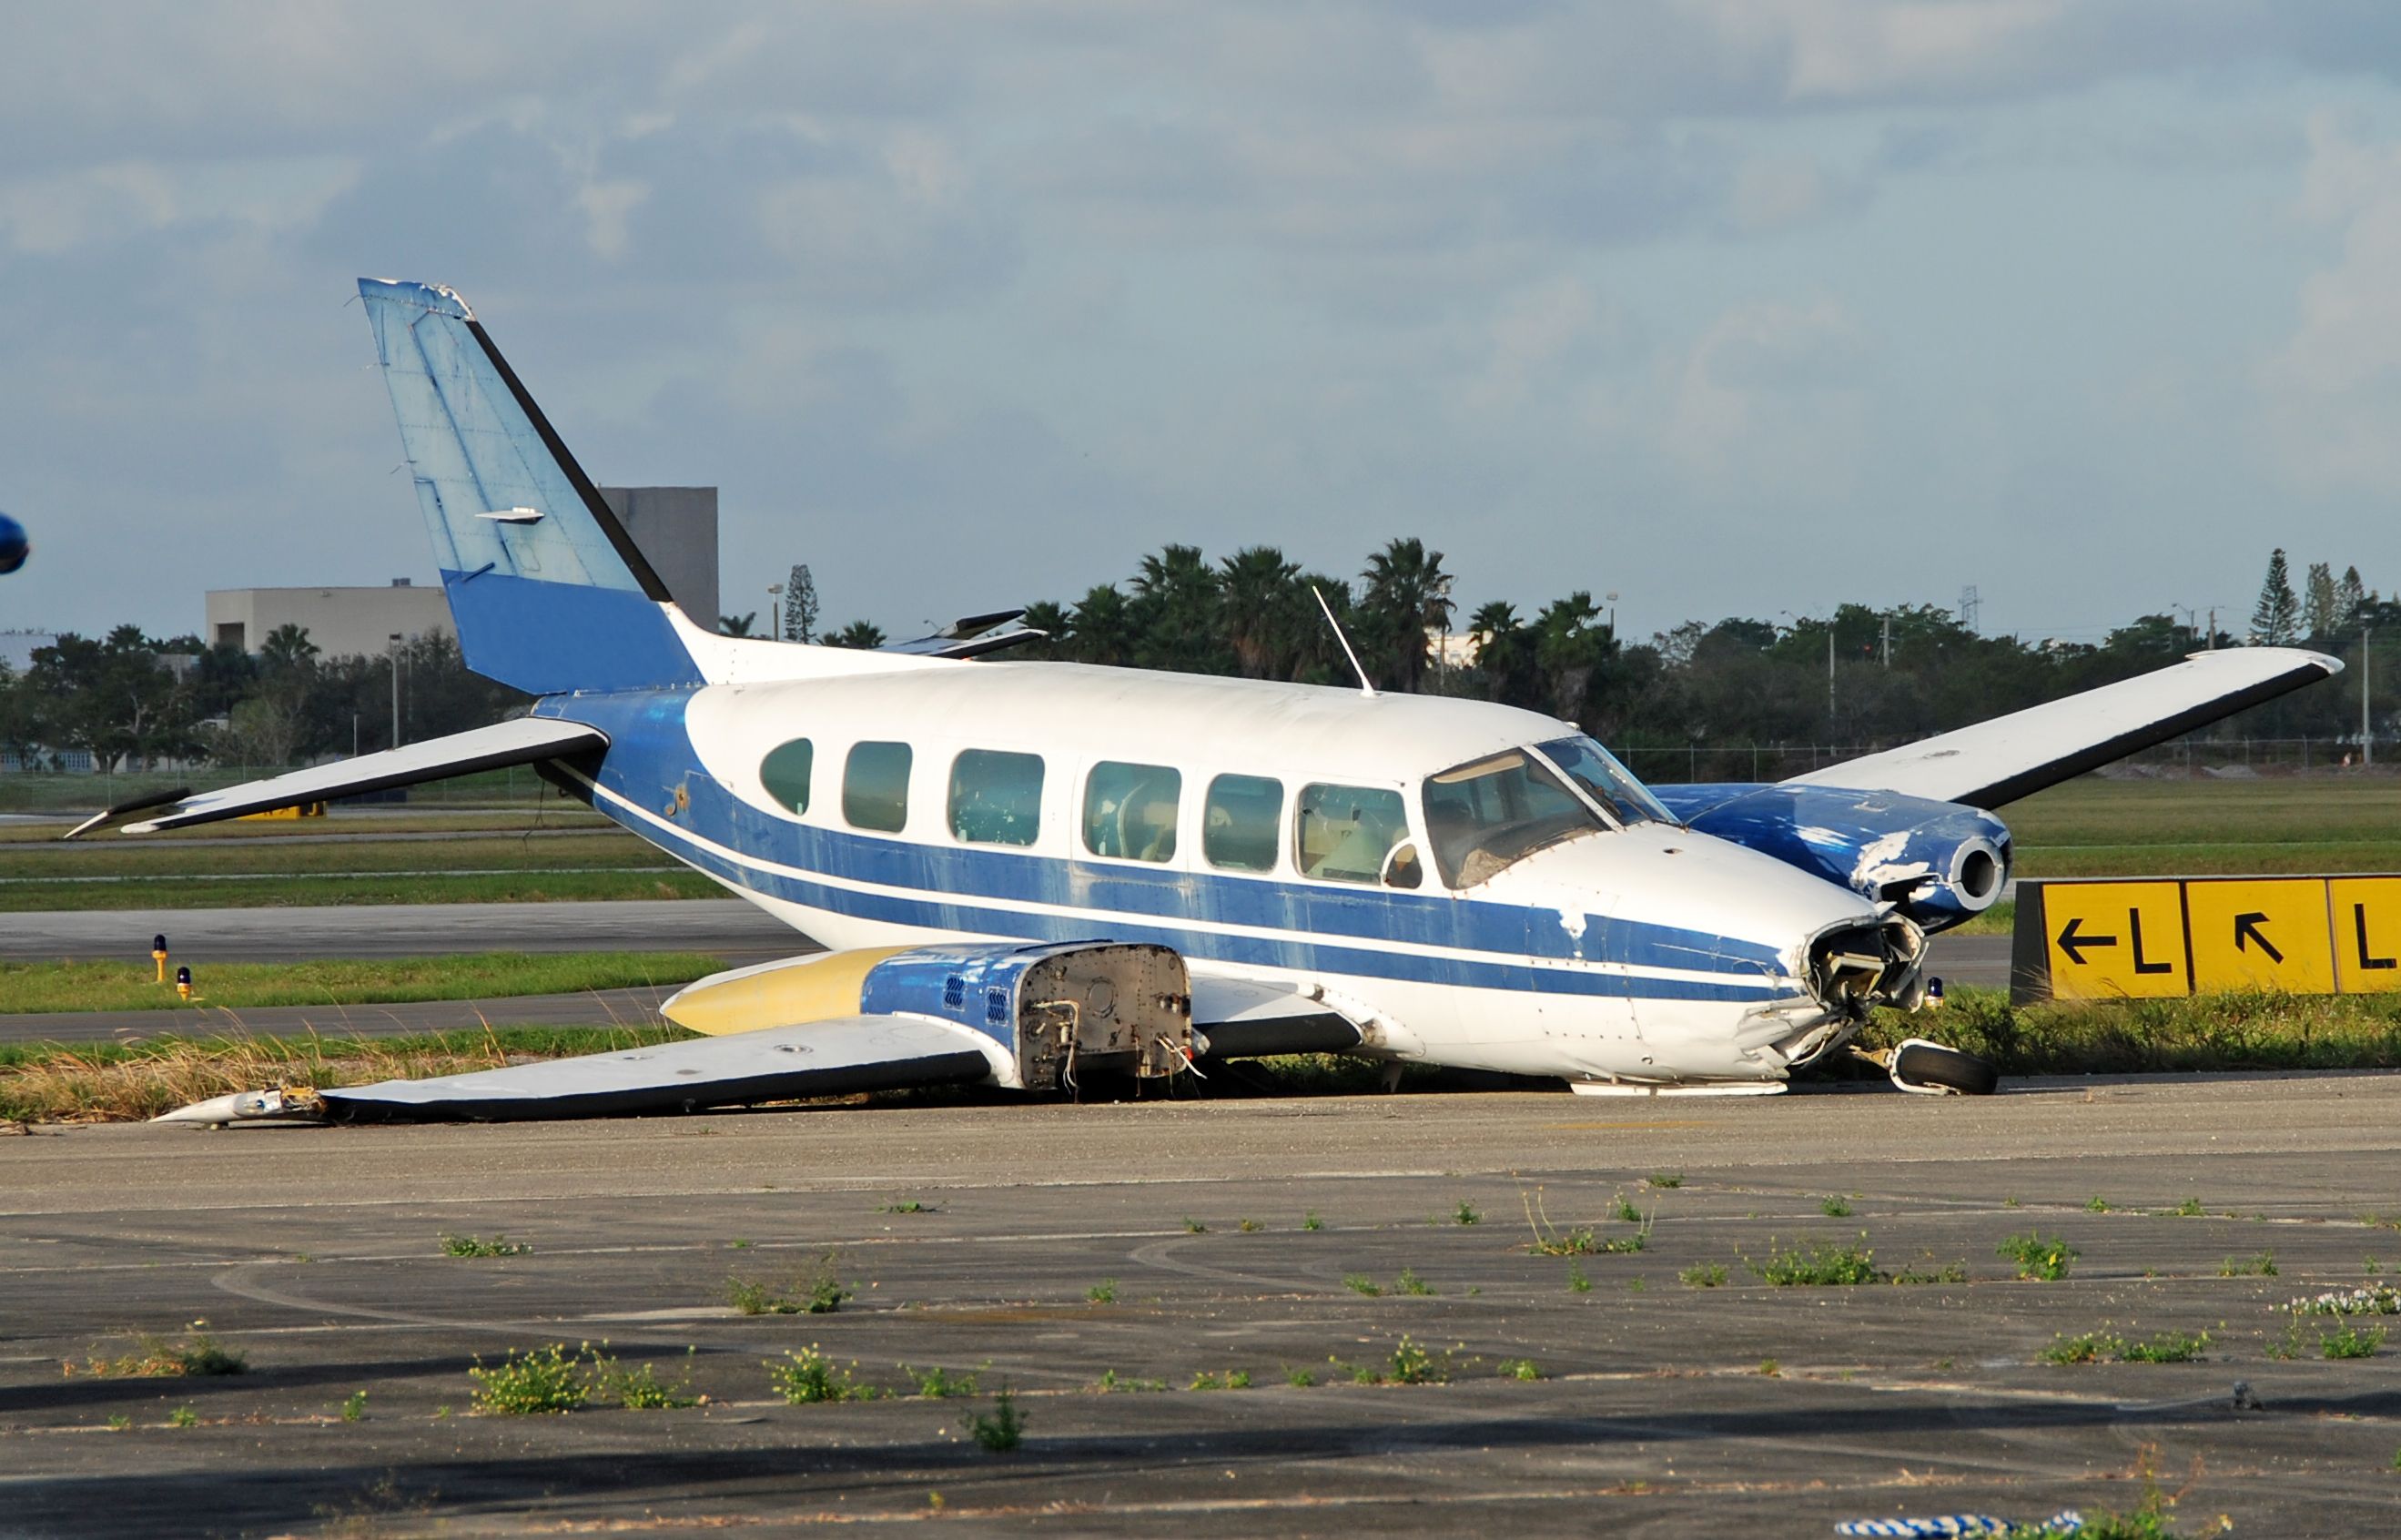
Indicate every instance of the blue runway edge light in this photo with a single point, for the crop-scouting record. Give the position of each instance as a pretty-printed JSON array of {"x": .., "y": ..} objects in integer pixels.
[{"x": 14, "y": 547}]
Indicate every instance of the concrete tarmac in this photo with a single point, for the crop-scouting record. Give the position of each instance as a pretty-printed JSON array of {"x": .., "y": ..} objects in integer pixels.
[{"x": 1062, "y": 1250}]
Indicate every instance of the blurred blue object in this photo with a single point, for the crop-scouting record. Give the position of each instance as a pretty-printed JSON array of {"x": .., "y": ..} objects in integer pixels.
[{"x": 14, "y": 547}]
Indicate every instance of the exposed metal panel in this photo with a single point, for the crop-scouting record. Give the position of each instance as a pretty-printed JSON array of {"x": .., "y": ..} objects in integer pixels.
[{"x": 521, "y": 741}]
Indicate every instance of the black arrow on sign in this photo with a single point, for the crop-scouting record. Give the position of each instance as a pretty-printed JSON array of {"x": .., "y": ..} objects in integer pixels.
[
  {"x": 2247, "y": 930},
  {"x": 2074, "y": 943}
]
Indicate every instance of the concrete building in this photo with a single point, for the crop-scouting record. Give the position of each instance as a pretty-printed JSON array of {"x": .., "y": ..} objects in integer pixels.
[
  {"x": 341, "y": 622},
  {"x": 675, "y": 526}
]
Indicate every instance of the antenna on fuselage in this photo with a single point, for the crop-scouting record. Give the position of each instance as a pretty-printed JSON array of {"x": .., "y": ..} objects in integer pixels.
[{"x": 1364, "y": 688}]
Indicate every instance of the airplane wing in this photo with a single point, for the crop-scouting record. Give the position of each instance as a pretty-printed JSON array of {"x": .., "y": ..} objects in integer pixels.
[
  {"x": 1998, "y": 762},
  {"x": 827, "y": 1058},
  {"x": 971, "y": 636},
  {"x": 522, "y": 740}
]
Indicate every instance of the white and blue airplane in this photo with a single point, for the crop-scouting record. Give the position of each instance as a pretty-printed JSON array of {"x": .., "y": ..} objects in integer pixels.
[{"x": 1034, "y": 874}]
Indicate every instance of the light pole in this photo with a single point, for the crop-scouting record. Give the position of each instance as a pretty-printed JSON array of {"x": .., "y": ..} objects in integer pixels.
[
  {"x": 2367, "y": 738},
  {"x": 774, "y": 619},
  {"x": 395, "y": 689},
  {"x": 1611, "y": 597}
]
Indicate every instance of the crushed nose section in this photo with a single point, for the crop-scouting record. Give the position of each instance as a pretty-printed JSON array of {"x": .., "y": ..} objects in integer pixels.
[
  {"x": 1854, "y": 968},
  {"x": 285, "y": 1105}
]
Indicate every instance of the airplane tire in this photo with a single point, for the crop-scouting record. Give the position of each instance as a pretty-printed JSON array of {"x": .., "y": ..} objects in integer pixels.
[{"x": 1922, "y": 1064}]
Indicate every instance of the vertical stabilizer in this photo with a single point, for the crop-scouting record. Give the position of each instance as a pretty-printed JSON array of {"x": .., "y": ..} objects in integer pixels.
[{"x": 548, "y": 592}]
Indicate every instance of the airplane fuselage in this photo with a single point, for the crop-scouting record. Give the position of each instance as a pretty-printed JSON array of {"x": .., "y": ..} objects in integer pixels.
[{"x": 1055, "y": 801}]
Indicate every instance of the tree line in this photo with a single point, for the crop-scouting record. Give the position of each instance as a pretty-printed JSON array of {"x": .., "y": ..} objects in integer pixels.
[{"x": 1860, "y": 676}]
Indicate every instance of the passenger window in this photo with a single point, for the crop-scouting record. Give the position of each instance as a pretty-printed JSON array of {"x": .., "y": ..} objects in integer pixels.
[
  {"x": 997, "y": 797},
  {"x": 1344, "y": 833},
  {"x": 1130, "y": 811},
  {"x": 785, "y": 773},
  {"x": 875, "y": 787},
  {"x": 1238, "y": 824}
]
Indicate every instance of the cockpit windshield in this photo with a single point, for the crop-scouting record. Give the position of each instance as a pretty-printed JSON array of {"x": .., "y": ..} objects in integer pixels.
[
  {"x": 1486, "y": 815},
  {"x": 1606, "y": 781}
]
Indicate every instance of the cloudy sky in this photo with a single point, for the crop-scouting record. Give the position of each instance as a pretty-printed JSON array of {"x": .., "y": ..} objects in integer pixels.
[{"x": 1730, "y": 306}]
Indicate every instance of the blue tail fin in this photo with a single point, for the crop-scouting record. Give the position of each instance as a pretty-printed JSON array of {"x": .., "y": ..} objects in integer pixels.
[{"x": 548, "y": 592}]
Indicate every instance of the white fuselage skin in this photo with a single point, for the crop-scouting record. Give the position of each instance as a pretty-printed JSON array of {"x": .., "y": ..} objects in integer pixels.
[{"x": 1428, "y": 988}]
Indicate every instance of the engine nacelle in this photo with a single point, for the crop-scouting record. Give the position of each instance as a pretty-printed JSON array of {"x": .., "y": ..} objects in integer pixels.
[
  {"x": 1940, "y": 862},
  {"x": 1052, "y": 1011}
]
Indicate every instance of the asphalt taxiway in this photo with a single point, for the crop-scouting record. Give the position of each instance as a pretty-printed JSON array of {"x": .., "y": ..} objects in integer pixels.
[{"x": 1059, "y": 1249}]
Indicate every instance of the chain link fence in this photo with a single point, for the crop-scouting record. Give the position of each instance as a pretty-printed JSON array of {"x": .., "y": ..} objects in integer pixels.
[{"x": 2221, "y": 759}]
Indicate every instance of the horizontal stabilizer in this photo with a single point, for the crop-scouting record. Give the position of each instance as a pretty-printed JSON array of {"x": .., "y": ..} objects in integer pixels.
[
  {"x": 829, "y": 1058},
  {"x": 521, "y": 741},
  {"x": 1998, "y": 762}
]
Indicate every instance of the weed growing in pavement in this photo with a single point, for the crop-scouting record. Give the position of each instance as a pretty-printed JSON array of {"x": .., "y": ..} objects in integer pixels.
[
  {"x": 1771, "y": 1368},
  {"x": 537, "y": 1381},
  {"x": 1109, "y": 1382},
  {"x": 1001, "y": 1429},
  {"x": 119, "y": 1422},
  {"x": 939, "y": 1383},
  {"x": 1249, "y": 1227},
  {"x": 1409, "y": 1283},
  {"x": 740, "y": 1245},
  {"x": 805, "y": 1377},
  {"x": 1666, "y": 1178},
  {"x": 1232, "y": 1379},
  {"x": 2097, "y": 1204},
  {"x": 2350, "y": 1342},
  {"x": 183, "y": 1417},
  {"x": 1818, "y": 1264},
  {"x": 1415, "y": 1364},
  {"x": 1948, "y": 1272},
  {"x": 1194, "y": 1227},
  {"x": 1466, "y": 1213},
  {"x": 475, "y": 1245},
  {"x": 1359, "y": 1283},
  {"x": 1622, "y": 1208},
  {"x": 1836, "y": 1208},
  {"x": 1310, "y": 1221},
  {"x": 1704, "y": 1275},
  {"x": 2375, "y": 1299},
  {"x": 2260, "y": 1265},
  {"x": 906, "y": 1206},
  {"x": 1102, "y": 1293},
  {"x": 1299, "y": 1379},
  {"x": 195, "y": 1354},
  {"x": 354, "y": 1407},
  {"x": 1521, "y": 1369},
  {"x": 820, "y": 1293},
  {"x": 2043, "y": 1258},
  {"x": 2189, "y": 1209},
  {"x": 638, "y": 1389},
  {"x": 1577, "y": 1281},
  {"x": 2098, "y": 1347}
]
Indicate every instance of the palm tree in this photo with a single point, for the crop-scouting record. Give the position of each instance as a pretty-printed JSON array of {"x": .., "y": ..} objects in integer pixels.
[
  {"x": 738, "y": 625},
  {"x": 1174, "y": 611},
  {"x": 866, "y": 636},
  {"x": 1255, "y": 603},
  {"x": 1100, "y": 629},
  {"x": 1408, "y": 597}
]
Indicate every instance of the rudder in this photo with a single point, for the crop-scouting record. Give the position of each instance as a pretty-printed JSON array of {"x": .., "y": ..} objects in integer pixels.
[{"x": 548, "y": 592}]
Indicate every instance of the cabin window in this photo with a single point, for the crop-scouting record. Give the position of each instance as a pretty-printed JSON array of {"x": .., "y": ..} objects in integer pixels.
[
  {"x": 1608, "y": 782},
  {"x": 1345, "y": 833},
  {"x": 875, "y": 787},
  {"x": 1130, "y": 811},
  {"x": 1485, "y": 816},
  {"x": 997, "y": 797},
  {"x": 785, "y": 773},
  {"x": 1238, "y": 826}
]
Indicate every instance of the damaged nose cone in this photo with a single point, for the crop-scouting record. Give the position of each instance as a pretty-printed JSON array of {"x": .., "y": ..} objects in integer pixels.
[{"x": 1855, "y": 968}]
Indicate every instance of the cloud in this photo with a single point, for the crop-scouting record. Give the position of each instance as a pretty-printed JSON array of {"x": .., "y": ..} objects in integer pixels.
[
  {"x": 2333, "y": 390},
  {"x": 1769, "y": 406}
]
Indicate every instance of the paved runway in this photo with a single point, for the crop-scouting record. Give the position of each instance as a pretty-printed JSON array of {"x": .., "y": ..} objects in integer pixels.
[{"x": 1664, "y": 1409}]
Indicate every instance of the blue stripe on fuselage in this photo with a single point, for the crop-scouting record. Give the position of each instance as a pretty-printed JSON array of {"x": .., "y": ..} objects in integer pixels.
[{"x": 650, "y": 757}]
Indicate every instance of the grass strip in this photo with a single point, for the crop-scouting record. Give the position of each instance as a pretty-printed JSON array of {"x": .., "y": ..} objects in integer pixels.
[
  {"x": 595, "y": 848},
  {"x": 399, "y": 888},
  {"x": 30, "y": 987},
  {"x": 2204, "y": 1032},
  {"x": 115, "y": 1082}
]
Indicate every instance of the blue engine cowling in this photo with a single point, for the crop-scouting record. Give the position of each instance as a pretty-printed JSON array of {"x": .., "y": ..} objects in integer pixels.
[{"x": 1941, "y": 861}]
